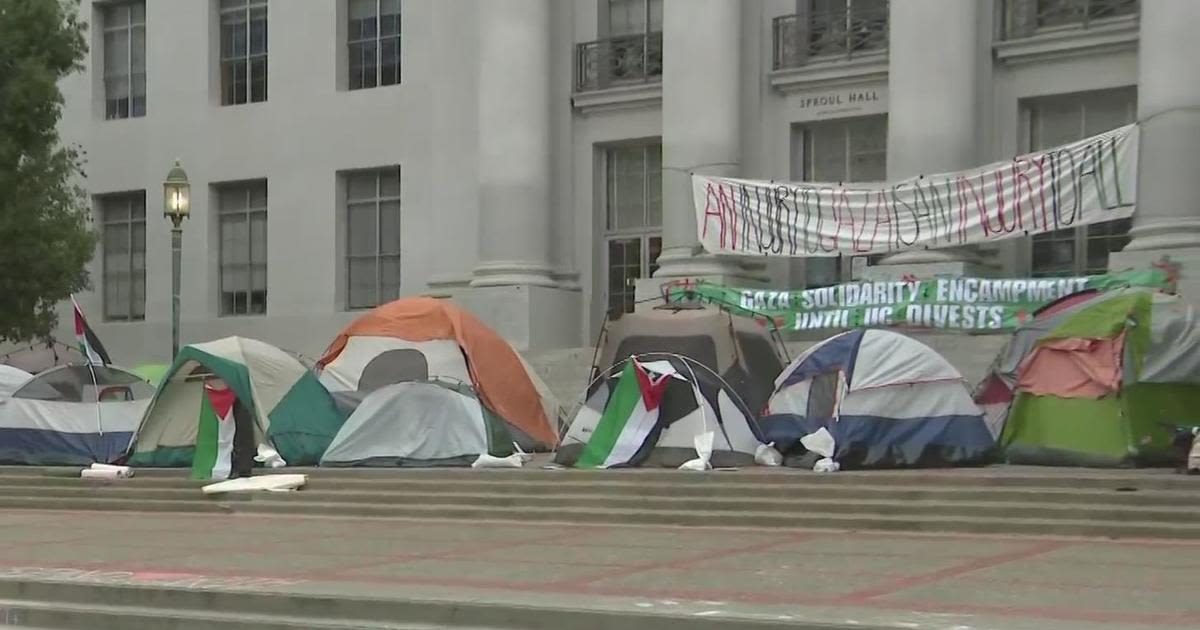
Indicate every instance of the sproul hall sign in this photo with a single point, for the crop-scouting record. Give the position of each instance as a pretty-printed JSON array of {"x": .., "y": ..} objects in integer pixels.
[{"x": 840, "y": 99}]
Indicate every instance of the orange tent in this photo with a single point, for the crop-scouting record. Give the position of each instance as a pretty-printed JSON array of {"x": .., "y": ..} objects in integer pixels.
[{"x": 497, "y": 371}]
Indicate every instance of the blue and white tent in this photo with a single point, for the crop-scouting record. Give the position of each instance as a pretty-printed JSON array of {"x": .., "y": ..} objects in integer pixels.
[
  {"x": 72, "y": 415},
  {"x": 887, "y": 399}
]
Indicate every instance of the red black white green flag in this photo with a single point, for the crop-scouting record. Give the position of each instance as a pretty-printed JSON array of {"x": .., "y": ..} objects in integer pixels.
[
  {"x": 628, "y": 419},
  {"x": 89, "y": 344}
]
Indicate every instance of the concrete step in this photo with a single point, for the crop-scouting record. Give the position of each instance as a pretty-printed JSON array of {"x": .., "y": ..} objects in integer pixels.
[
  {"x": 759, "y": 479},
  {"x": 80, "y": 606},
  {"x": 400, "y": 504},
  {"x": 1130, "y": 524},
  {"x": 57, "y": 616},
  {"x": 515, "y": 491}
]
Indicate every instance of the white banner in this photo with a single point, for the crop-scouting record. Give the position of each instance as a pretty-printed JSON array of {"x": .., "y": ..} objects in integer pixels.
[{"x": 1085, "y": 182}]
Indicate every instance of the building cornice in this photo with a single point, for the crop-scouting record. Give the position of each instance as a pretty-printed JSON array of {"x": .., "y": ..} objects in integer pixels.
[
  {"x": 819, "y": 73},
  {"x": 620, "y": 98},
  {"x": 1111, "y": 37}
]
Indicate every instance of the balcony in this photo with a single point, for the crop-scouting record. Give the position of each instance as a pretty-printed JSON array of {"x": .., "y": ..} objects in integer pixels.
[
  {"x": 1035, "y": 30},
  {"x": 619, "y": 72},
  {"x": 800, "y": 39},
  {"x": 827, "y": 48}
]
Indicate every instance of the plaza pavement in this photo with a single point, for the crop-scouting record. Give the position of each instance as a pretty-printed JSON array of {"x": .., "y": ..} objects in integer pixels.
[{"x": 844, "y": 579}]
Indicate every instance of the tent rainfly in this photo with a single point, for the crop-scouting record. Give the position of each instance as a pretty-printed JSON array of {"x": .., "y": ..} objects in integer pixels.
[{"x": 422, "y": 338}]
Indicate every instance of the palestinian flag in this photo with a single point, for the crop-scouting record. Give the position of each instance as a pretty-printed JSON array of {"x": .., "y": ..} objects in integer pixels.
[
  {"x": 89, "y": 344},
  {"x": 214, "y": 438},
  {"x": 628, "y": 419}
]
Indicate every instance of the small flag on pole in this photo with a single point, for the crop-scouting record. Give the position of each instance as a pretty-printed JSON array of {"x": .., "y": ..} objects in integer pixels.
[{"x": 89, "y": 343}]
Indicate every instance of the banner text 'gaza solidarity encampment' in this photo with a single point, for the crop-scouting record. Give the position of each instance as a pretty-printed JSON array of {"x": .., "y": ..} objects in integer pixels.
[
  {"x": 1085, "y": 182},
  {"x": 970, "y": 304}
]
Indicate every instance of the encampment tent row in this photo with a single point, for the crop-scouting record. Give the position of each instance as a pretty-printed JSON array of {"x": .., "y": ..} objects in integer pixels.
[{"x": 1097, "y": 378}]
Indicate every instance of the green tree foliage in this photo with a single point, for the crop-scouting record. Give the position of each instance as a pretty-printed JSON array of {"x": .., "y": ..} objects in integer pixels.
[{"x": 46, "y": 239}]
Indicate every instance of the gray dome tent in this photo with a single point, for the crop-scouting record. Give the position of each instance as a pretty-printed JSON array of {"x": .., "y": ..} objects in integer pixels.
[{"x": 419, "y": 423}]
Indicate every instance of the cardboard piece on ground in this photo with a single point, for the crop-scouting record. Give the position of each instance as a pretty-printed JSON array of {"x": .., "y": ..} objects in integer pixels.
[{"x": 270, "y": 483}]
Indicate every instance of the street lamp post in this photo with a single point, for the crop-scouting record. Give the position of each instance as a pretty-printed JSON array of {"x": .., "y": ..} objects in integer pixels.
[{"x": 176, "y": 207}]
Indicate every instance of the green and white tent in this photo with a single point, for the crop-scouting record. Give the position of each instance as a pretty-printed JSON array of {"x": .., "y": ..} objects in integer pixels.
[{"x": 292, "y": 411}]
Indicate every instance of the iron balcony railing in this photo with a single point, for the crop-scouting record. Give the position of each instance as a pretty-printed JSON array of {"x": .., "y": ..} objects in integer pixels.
[
  {"x": 621, "y": 60},
  {"x": 1023, "y": 18},
  {"x": 798, "y": 38}
]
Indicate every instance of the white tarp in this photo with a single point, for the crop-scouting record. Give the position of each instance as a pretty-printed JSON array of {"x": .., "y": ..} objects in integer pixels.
[
  {"x": 12, "y": 378},
  {"x": 1089, "y": 181}
]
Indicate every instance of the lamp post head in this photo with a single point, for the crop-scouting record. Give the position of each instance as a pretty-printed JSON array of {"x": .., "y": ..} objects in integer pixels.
[{"x": 177, "y": 200}]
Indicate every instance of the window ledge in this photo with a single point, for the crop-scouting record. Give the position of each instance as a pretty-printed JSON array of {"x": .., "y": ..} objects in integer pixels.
[
  {"x": 619, "y": 98},
  {"x": 1113, "y": 37},
  {"x": 831, "y": 72}
]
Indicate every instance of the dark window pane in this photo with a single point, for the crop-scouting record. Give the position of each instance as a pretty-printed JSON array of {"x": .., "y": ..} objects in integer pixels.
[
  {"x": 361, "y": 238},
  {"x": 389, "y": 182},
  {"x": 389, "y": 54},
  {"x": 389, "y": 24},
  {"x": 361, "y": 185},
  {"x": 389, "y": 278},
  {"x": 362, "y": 276},
  {"x": 389, "y": 227},
  {"x": 258, "y": 76},
  {"x": 258, "y": 31},
  {"x": 138, "y": 102},
  {"x": 233, "y": 35}
]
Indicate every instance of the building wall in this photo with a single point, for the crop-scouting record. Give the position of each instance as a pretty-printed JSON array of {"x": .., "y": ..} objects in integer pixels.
[{"x": 311, "y": 128}]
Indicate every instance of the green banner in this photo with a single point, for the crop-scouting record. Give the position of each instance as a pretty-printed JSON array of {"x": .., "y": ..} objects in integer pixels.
[{"x": 966, "y": 304}]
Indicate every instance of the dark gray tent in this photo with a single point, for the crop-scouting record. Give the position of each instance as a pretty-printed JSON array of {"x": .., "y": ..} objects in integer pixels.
[
  {"x": 738, "y": 349},
  {"x": 682, "y": 416}
]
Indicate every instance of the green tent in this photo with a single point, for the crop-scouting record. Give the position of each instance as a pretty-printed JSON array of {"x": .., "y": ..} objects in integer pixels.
[
  {"x": 292, "y": 410},
  {"x": 1098, "y": 383},
  {"x": 152, "y": 373}
]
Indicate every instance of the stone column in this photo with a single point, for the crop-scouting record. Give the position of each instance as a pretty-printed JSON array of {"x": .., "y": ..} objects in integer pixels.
[
  {"x": 701, "y": 120},
  {"x": 1167, "y": 219},
  {"x": 933, "y": 106},
  {"x": 512, "y": 288},
  {"x": 514, "y": 143}
]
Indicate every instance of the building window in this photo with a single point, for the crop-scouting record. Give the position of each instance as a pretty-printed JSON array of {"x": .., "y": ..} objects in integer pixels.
[
  {"x": 374, "y": 41},
  {"x": 123, "y": 255},
  {"x": 840, "y": 151},
  {"x": 633, "y": 220},
  {"x": 634, "y": 17},
  {"x": 830, "y": 28},
  {"x": 1059, "y": 120},
  {"x": 242, "y": 217},
  {"x": 372, "y": 237},
  {"x": 1023, "y": 18},
  {"x": 243, "y": 51},
  {"x": 124, "y": 60},
  {"x": 631, "y": 52}
]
